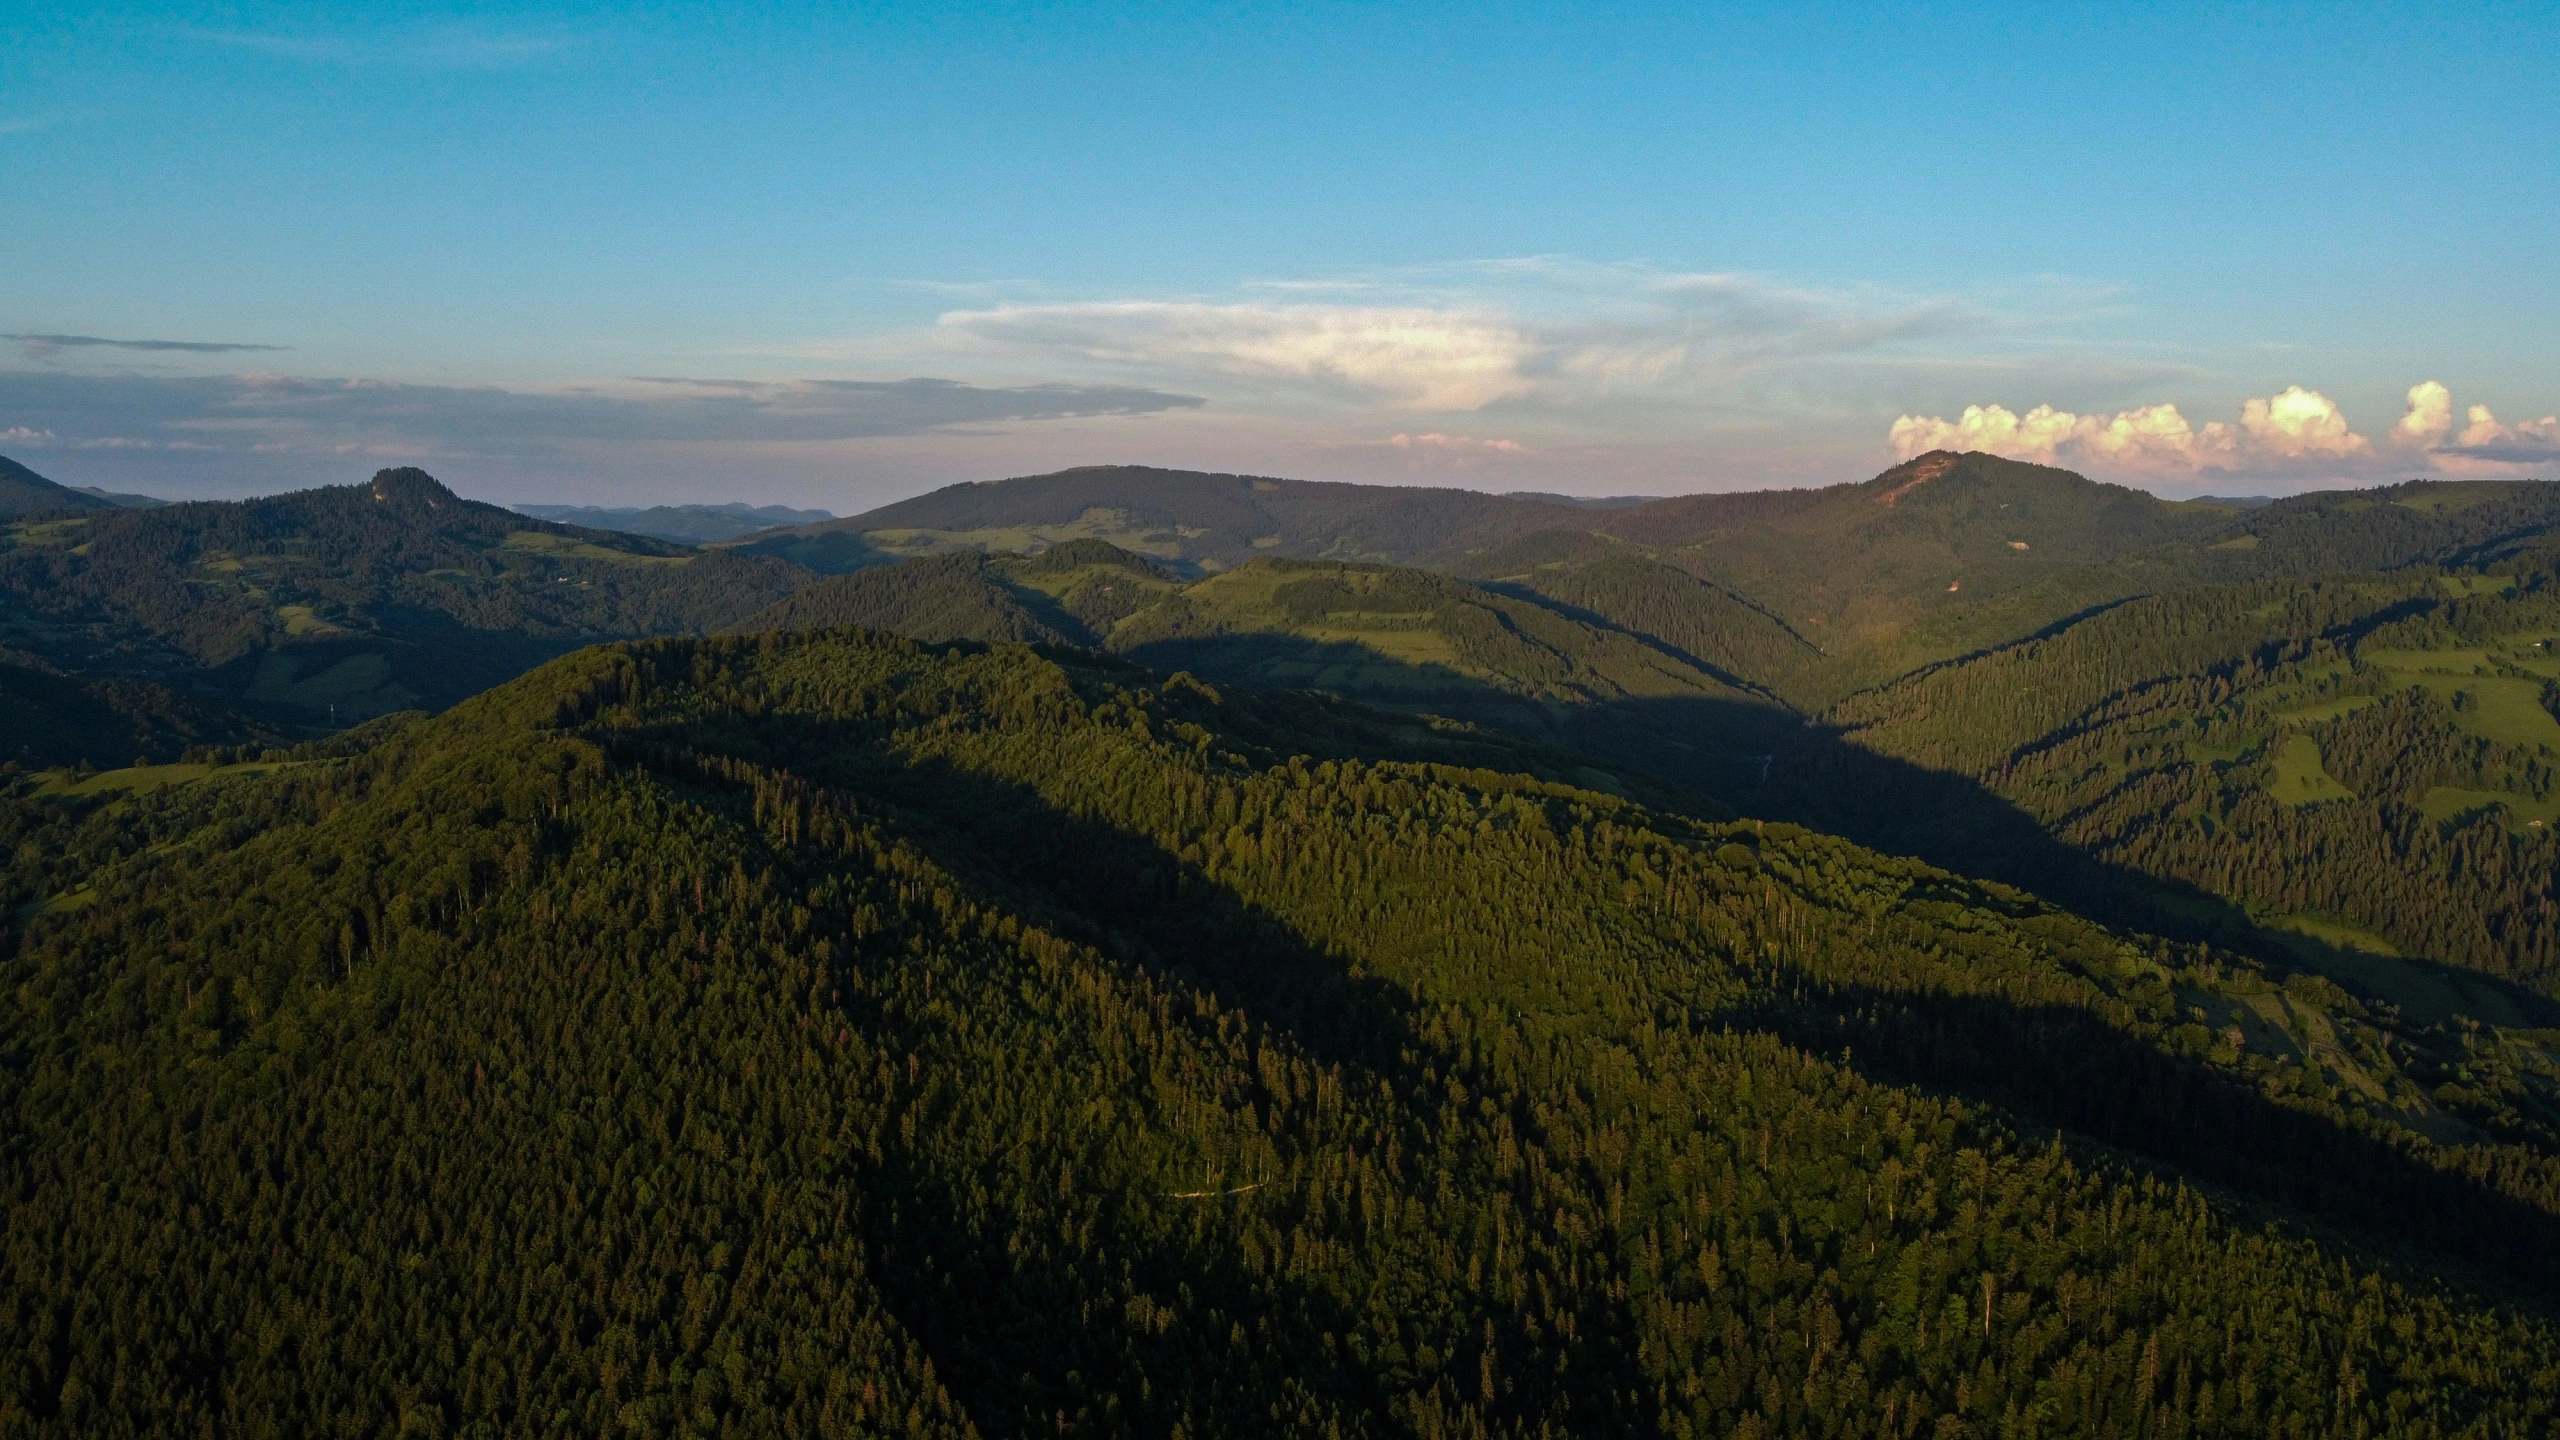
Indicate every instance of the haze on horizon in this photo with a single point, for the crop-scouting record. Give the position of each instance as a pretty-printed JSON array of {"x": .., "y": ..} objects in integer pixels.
[{"x": 573, "y": 255}]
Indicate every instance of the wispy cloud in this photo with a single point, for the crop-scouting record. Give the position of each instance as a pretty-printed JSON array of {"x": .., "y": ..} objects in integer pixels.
[
  {"x": 440, "y": 47},
  {"x": 1539, "y": 331},
  {"x": 273, "y": 413},
  {"x": 42, "y": 346},
  {"x": 1421, "y": 358}
]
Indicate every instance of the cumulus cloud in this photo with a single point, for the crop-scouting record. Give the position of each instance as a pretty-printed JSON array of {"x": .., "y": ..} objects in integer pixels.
[
  {"x": 2298, "y": 432},
  {"x": 2527, "y": 442},
  {"x": 2430, "y": 415},
  {"x": 277, "y": 413},
  {"x": 2297, "y": 423},
  {"x": 2295, "y": 430}
]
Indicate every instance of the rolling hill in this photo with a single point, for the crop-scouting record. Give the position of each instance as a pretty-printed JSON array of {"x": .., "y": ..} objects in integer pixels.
[
  {"x": 822, "y": 1032},
  {"x": 24, "y": 492},
  {"x": 689, "y": 524},
  {"x": 2151, "y": 754},
  {"x": 349, "y": 601}
]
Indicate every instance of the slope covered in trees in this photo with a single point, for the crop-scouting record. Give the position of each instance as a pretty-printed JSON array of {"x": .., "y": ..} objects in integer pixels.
[
  {"x": 2368, "y": 760},
  {"x": 1940, "y": 557},
  {"x": 24, "y": 492},
  {"x": 822, "y": 1033},
  {"x": 352, "y": 600},
  {"x": 2003, "y": 648}
]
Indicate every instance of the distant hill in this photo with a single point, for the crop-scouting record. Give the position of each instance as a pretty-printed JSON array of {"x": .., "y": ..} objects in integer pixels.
[
  {"x": 24, "y": 492},
  {"x": 692, "y": 524},
  {"x": 1194, "y": 520},
  {"x": 126, "y": 501},
  {"x": 1940, "y": 557},
  {"x": 350, "y": 601}
]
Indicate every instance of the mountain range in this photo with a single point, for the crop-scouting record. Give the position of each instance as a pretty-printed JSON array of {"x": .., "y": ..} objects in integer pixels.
[
  {"x": 691, "y": 524},
  {"x": 1971, "y": 951}
]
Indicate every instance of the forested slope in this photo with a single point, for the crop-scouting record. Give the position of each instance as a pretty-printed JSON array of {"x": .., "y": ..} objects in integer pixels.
[
  {"x": 2368, "y": 759},
  {"x": 24, "y": 492},
  {"x": 802, "y": 1033},
  {"x": 353, "y": 600}
]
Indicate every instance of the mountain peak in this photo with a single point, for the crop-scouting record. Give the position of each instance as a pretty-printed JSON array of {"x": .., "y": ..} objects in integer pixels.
[{"x": 409, "y": 485}]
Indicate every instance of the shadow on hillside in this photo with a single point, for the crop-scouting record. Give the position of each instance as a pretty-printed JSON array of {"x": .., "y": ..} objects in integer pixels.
[
  {"x": 2066, "y": 1067},
  {"x": 1823, "y": 781},
  {"x": 977, "y": 1298},
  {"x": 1127, "y": 895},
  {"x": 1096, "y": 884},
  {"x": 1699, "y": 746}
]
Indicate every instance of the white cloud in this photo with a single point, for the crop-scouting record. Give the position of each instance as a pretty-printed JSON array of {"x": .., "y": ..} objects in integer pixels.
[
  {"x": 2430, "y": 415},
  {"x": 1542, "y": 332},
  {"x": 2299, "y": 422},
  {"x": 1432, "y": 450},
  {"x": 270, "y": 412},
  {"x": 2526, "y": 442},
  {"x": 1424, "y": 359},
  {"x": 2296, "y": 429}
]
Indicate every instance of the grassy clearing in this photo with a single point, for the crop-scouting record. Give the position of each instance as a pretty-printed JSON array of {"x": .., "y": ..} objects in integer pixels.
[
  {"x": 2462, "y": 587},
  {"x": 302, "y": 620},
  {"x": 143, "y": 779},
  {"x": 2319, "y": 710},
  {"x": 563, "y": 547},
  {"x": 2433, "y": 994},
  {"x": 2299, "y": 778},
  {"x": 48, "y": 532},
  {"x": 2342, "y": 934},
  {"x": 2522, "y": 813},
  {"x": 2504, "y": 708}
]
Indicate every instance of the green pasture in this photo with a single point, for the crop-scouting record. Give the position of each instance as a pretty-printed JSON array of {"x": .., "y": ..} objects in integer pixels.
[{"x": 2299, "y": 778}]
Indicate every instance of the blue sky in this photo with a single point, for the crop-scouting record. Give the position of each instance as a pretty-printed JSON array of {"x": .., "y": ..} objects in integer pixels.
[{"x": 832, "y": 256}]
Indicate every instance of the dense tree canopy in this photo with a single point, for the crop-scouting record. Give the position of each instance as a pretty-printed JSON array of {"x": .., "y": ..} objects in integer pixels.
[{"x": 827, "y": 1033}]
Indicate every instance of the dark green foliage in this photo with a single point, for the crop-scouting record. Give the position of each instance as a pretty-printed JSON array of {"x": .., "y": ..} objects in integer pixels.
[
  {"x": 944, "y": 597},
  {"x": 353, "y": 600},
  {"x": 792, "y": 1034},
  {"x": 2147, "y": 738},
  {"x": 24, "y": 492},
  {"x": 1710, "y": 627},
  {"x": 49, "y": 719}
]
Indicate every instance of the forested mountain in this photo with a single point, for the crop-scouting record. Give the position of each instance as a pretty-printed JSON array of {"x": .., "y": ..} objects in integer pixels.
[
  {"x": 823, "y": 1033},
  {"x": 1194, "y": 519},
  {"x": 352, "y": 600},
  {"x": 24, "y": 492},
  {"x": 1940, "y": 557},
  {"x": 691, "y": 524},
  {"x": 2117, "y": 701}
]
